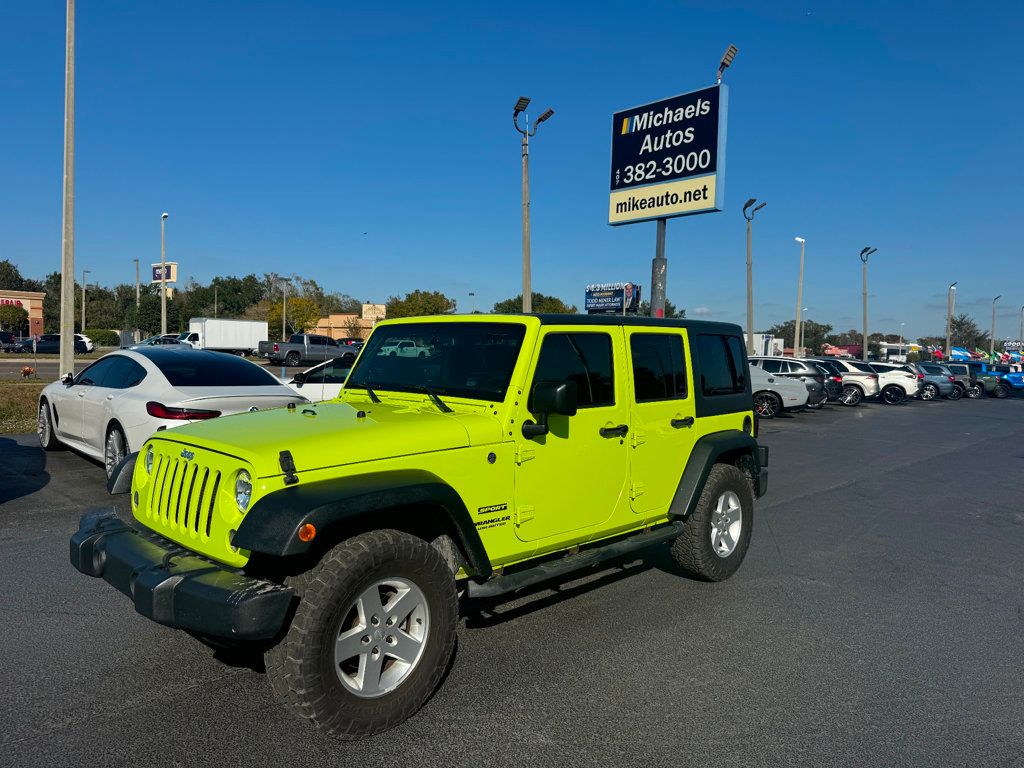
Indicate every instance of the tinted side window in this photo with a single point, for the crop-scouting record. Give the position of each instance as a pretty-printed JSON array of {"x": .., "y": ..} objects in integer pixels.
[
  {"x": 585, "y": 358},
  {"x": 98, "y": 373},
  {"x": 719, "y": 372},
  {"x": 860, "y": 366},
  {"x": 772, "y": 366},
  {"x": 124, "y": 374},
  {"x": 933, "y": 369},
  {"x": 659, "y": 369}
]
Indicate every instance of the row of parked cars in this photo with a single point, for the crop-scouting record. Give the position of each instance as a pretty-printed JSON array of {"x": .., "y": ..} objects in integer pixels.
[{"x": 785, "y": 383}]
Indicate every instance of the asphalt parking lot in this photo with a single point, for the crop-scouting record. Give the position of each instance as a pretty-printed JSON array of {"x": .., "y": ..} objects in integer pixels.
[{"x": 876, "y": 621}]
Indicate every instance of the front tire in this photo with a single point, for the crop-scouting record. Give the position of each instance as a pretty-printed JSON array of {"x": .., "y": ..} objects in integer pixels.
[
  {"x": 372, "y": 636},
  {"x": 767, "y": 405},
  {"x": 44, "y": 428},
  {"x": 851, "y": 396},
  {"x": 717, "y": 534},
  {"x": 114, "y": 449}
]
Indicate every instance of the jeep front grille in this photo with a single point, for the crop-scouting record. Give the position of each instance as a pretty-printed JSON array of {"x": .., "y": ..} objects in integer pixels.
[{"x": 183, "y": 497}]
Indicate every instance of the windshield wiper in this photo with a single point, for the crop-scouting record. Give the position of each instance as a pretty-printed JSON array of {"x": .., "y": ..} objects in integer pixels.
[
  {"x": 433, "y": 398},
  {"x": 370, "y": 392}
]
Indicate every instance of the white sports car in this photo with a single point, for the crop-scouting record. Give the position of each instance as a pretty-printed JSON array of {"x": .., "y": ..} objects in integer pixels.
[{"x": 112, "y": 407}]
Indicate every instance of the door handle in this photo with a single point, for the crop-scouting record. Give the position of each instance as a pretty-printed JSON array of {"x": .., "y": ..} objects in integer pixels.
[
  {"x": 81, "y": 394},
  {"x": 110, "y": 397},
  {"x": 680, "y": 423},
  {"x": 619, "y": 431}
]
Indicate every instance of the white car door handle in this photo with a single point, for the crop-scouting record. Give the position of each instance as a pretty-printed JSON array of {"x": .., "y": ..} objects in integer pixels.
[
  {"x": 110, "y": 397},
  {"x": 81, "y": 394}
]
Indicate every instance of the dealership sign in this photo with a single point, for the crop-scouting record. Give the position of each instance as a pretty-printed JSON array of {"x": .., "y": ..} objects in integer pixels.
[
  {"x": 668, "y": 157},
  {"x": 170, "y": 272},
  {"x": 612, "y": 299}
]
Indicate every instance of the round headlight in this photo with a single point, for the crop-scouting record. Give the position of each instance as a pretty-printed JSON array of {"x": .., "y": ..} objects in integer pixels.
[
  {"x": 149, "y": 460},
  {"x": 243, "y": 490}
]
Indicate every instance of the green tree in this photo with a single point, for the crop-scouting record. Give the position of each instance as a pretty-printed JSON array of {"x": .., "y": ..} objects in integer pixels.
[
  {"x": 13, "y": 318},
  {"x": 147, "y": 318},
  {"x": 542, "y": 304},
  {"x": 815, "y": 334},
  {"x": 419, "y": 303},
  {"x": 353, "y": 328},
  {"x": 671, "y": 311},
  {"x": 10, "y": 277},
  {"x": 964, "y": 332},
  {"x": 302, "y": 316}
]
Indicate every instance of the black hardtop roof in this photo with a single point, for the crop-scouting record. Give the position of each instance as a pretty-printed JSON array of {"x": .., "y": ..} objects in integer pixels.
[
  {"x": 707, "y": 326},
  {"x": 162, "y": 352}
]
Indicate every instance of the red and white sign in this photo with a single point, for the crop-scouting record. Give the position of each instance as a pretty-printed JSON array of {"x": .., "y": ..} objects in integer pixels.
[{"x": 12, "y": 302}]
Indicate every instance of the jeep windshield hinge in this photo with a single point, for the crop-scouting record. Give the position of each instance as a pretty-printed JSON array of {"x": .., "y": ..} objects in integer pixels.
[{"x": 288, "y": 467}]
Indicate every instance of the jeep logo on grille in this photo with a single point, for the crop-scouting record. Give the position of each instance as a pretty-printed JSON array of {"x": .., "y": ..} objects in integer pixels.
[{"x": 187, "y": 455}]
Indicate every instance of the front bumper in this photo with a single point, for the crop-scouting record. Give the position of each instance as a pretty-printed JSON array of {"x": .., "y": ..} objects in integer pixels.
[{"x": 175, "y": 587}]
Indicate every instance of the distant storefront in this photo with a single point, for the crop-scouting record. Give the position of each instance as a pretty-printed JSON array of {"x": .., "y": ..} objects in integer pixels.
[
  {"x": 342, "y": 326},
  {"x": 31, "y": 302}
]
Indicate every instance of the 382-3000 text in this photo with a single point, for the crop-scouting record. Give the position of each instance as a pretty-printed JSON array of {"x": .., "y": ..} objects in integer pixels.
[{"x": 669, "y": 166}]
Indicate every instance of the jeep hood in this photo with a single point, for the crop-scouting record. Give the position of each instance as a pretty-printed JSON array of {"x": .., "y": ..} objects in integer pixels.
[{"x": 332, "y": 433}]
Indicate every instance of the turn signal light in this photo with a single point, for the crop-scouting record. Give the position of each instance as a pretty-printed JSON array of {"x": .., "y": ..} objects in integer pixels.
[
  {"x": 307, "y": 531},
  {"x": 161, "y": 411}
]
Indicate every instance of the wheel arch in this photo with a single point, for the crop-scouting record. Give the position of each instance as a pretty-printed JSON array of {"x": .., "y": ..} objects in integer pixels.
[
  {"x": 728, "y": 447},
  {"x": 413, "y": 501}
]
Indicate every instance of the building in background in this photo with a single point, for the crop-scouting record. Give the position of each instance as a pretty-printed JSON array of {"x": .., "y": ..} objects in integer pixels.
[
  {"x": 31, "y": 302},
  {"x": 347, "y": 326}
]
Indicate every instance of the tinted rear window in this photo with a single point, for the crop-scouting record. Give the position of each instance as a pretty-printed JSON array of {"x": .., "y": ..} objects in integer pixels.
[
  {"x": 722, "y": 367},
  {"x": 659, "y": 368},
  {"x": 213, "y": 369}
]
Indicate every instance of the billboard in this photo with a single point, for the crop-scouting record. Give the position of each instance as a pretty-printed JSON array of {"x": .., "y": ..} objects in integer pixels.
[
  {"x": 668, "y": 157},
  {"x": 612, "y": 299},
  {"x": 171, "y": 270}
]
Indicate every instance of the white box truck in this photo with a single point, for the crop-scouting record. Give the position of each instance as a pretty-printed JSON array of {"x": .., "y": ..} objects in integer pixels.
[{"x": 241, "y": 337}]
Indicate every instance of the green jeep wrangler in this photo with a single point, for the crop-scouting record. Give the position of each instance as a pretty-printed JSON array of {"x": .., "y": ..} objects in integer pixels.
[{"x": 341, "y": 535}]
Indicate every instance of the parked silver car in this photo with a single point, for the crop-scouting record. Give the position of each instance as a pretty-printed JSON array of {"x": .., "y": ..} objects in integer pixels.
[
  {"x": 858, "y": 382},
  {"x": 798, "y": 370}
]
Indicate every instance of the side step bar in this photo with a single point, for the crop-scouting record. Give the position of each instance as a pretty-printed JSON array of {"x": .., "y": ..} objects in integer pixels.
[{"x": 553, "y": 569}]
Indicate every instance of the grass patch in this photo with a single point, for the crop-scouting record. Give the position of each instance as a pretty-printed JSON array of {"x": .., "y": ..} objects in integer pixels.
[{"x": 18, "y": 401}]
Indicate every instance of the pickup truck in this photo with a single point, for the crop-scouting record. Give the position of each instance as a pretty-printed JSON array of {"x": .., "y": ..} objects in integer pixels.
[
  {"x": 304, "y": 348},
  {"x": 404, "y": 348}
]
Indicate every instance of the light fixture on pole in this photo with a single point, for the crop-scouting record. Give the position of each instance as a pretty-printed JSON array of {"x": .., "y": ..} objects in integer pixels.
[
  {"x": 67, "y": 240},
  {"x": 85, "y": 273},
  {"x": 992, "y": 338},
  {"x": 748, "y": 213},
  {"x": 950, "y": 304},
  {"x": 472, "y": 298},
  {"x": 726, "y": 62},
  {"x": 864, "y": 255},
  {"x": 527, "y": 132},
  {"x": 798, "y": 336},
  {"x": 163, "y": 275}
]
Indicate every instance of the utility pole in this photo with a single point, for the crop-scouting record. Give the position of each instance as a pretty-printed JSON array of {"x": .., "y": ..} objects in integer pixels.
[
  {"x": 1020, "y": 337},
  {"x": 901, "y": 341},
  {"x": 798, "y": 330},
  {"x": 950, "y": 303},
  {"x": 163, "y": 275},
  {"x": 748, "y": 214},
  {"x": 659, "y": 271},
  {"x": 992, "y": 338},
  {"x": 214, "y": 299},
  {"x": 85, "y": 273},
  {"x": 138, "y": 336},
  {"x": 284, "y": 312},
  {"x": 864, "y": 255},
  {"x": 67, "y": 245},
  {"x": 472, "y": 298},
  {"x": 527, "y": 132}
]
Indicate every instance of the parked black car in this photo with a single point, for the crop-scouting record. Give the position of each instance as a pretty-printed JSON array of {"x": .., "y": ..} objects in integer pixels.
[
  {"x": 801, "y": 370},
  {"x": 833, "y": 378},
  {"x": 49, "y": 343},
  {"x": 8, "y": 342}
]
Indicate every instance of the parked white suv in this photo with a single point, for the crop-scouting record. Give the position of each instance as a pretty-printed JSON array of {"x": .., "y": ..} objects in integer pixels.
[
  {"x": 896, "y": 382},
  {"x": 859, "y": 381},
  {"x": 775, "y": 394}
]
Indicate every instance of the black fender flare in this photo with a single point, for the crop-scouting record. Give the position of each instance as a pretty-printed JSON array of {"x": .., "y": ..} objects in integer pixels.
[
  {"x": 120, "y": 480},
  {"x": 272, "y": 525},
  {"x": 709, "y": 450}
]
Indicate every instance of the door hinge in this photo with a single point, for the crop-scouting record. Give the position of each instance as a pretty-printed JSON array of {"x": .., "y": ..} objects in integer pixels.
[
  {"x": 639, "y": 437},
  {"x": 636, "y": 490},
  {"x": 524, "y": 453},
  {"x": 524, "y": 512}
]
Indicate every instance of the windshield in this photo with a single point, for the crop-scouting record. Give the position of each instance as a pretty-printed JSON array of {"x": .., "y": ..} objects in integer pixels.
[{"x": 472, "y": 360}]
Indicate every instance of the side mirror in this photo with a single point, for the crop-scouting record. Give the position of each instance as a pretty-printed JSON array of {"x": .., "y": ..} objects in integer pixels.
[
  {"x": 558, "y": 397},
  {"x": 67, "y": 379},
  {"x": 299, "y": 379}
]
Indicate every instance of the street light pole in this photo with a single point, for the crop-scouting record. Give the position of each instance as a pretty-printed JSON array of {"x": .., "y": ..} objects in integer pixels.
[
  {"x": 864, "y": 255},
  {"x": 84, "y": 273},
  {"x": 992, "y": 338},
  {"x": 950, "y": 303},
  {"x": 901, "y": 341},
  {"x": 284, "y": 312},
  {"x": 798, "y": 332},
  {"x": 527, "y": 132},
  {"x": 163, "y": 276},
  {"x": 472, "y": 298},
  {"x": 137, "y": 300},
  {"x": 748, "y": 214},
  {"x": 67, "y": 243}
]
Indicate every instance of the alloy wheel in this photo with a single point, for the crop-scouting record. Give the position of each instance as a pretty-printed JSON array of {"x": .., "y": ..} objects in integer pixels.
[
  {"x": 766, "y": 405},
  {"x": 892, "y": 395},
  {"x": 975, "y": 391},
  {"x": 851, "y": 395},
  {"x": 726, "y": 524},
  {"x": 43, "y": 426},
  {"x": 382, "y": 637},
  {"x": 929, "y": 392},
  {"x": 114, "y": 451}
]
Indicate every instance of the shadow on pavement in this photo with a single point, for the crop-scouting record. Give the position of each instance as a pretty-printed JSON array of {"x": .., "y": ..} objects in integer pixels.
[{"x": 22, "y": 469}]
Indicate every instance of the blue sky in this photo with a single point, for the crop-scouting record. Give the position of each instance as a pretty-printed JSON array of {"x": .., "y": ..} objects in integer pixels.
[{"x": 370, "y": 147}]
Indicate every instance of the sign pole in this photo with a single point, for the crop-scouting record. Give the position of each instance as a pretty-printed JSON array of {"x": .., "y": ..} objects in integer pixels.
[
  {"x": 659, "y": 268},
  {"x": 67, "y": 246}
]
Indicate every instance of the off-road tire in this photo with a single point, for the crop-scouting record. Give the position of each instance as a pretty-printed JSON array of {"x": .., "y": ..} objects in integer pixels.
[
  {"x": 692, "y": 551},
  {"x": 292, "y": 360},
  {"x": 47, "y": 439},
  {"x": 301, "y": 666}
]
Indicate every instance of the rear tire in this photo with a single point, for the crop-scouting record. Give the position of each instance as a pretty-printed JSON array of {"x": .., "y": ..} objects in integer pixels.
[
  {"x": 1001, "y": 391},
  {"x": 292, "y": 359},
  {"x": 115, "y": 448},
  {"x": 851, "y": 396},
  {"x": 956, "y": 394},
  {"x": 717, "y": 534},
  {"x": 767, "y": 405},
  {"x": 929, "y": 392},
  {"x": 975, "y": 391},
  {"x": 309, "y": 670},
  {"x": 893, "y": 395}
]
